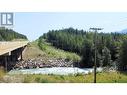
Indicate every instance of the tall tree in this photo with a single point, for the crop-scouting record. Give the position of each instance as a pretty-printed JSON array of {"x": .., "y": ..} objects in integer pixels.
[{"x": 123, "y": 56}]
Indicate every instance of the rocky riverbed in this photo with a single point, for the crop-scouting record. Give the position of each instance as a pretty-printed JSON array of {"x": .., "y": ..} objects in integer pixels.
[{"x": 41, "y": 63}]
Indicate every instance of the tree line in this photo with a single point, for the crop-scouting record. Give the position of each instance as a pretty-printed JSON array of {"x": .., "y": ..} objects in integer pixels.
[
  {"x": 9, "y": 34},
  {"x": 111, "y": 47}
]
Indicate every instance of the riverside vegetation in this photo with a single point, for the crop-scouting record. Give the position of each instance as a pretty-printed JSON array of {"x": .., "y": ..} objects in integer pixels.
[{"x": 104, "y": 77}]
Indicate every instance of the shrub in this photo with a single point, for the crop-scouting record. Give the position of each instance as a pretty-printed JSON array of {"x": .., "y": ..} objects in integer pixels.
[{"x": 44, "y": 81}]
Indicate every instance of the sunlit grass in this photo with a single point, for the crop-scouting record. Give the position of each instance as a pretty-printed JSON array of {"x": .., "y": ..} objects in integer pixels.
[
  {"x": 58, "y": 53},
  {"x": 102, "y": 77},
  {"x": 105, "y": 77}
]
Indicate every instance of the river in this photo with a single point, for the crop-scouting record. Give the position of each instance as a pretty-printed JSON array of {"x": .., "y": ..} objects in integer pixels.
[{"x": 55, "y": 70}]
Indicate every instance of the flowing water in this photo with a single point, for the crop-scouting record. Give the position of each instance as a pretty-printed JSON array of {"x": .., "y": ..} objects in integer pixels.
[{"x": 55, "y": 70}]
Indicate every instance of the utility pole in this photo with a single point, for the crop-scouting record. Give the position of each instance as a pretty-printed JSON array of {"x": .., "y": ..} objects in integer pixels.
[{"x": 95, "y": 47}]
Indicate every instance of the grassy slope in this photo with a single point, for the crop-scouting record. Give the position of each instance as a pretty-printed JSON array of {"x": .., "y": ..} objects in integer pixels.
[
  {"x": 34, "y": 51},
  {"x": 112, "y": 77},
  {"x": 58, "y": 53}
]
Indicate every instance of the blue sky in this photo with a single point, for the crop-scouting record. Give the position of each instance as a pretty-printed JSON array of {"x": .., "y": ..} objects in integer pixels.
[{"x": 35, "y": 24}]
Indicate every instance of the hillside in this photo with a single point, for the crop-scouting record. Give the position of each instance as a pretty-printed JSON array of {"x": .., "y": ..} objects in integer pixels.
[
  {"x": 82, "y": 42},
  {"x": 9, "y": 35}
]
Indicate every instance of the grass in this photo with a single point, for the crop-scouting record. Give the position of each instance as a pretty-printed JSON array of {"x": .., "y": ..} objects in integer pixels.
[
  {"x": 33, "y": 51},
  {"x": 105, "y": 77},
  {"x": 57, "y": 53},
  {"x": 2, "y": 73},
  {"x": 102, "y": 77}
]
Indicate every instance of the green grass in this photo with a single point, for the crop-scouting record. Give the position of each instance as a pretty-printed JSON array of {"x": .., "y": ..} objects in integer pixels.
[
  {"x": 112, "y": 77},
  {"x": 57, "y": 53}
]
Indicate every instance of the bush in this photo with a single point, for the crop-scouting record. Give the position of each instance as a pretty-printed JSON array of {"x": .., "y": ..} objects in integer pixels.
[
  {"x": 44, "y": 81},
  {"x": 62, "y": 77}
]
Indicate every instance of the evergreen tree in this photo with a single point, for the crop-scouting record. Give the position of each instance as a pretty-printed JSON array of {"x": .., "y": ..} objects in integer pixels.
[
  {"x": 88, "y": 55},
  {"x": 123, "y": 57},
  {"x": 9, "y": 34},
  {"x": 106, "y": 57}
]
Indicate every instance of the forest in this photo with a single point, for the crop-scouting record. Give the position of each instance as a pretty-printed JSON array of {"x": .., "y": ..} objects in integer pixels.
[
  {"x": 9, "y": 34},
  {"x": 111, "y": 47}
]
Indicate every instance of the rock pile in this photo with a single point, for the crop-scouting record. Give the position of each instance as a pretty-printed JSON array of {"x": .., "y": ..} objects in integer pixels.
[{"x": 40, "y": 63}]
